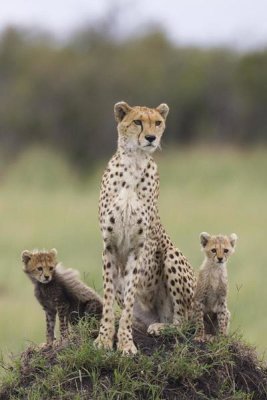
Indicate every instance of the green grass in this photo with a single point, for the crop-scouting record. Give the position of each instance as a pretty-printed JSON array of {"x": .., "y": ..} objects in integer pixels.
[
  {"x": 174, "y": 369},
  {"x": 44, "y": 204}
]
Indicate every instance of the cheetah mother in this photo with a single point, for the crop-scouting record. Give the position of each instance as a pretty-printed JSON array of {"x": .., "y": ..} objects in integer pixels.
[{"x": 142, "y": 269}]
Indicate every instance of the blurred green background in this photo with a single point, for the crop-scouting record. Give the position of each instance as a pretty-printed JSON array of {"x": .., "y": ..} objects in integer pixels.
[
  {"x": 57, "y": 132},
  {"x": 44, "y": 204}
]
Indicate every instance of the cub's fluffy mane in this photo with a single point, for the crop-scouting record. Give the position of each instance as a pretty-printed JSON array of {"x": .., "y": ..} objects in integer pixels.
[{"x": 70, "y": 279}]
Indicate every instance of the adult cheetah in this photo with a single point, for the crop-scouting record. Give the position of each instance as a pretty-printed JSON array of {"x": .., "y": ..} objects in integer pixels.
[{"x": 142, "y": 269}]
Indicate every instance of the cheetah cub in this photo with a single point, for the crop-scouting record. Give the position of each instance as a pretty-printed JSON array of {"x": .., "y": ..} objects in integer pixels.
[
  {"x": 210, "y": 298},
  {"x": 59, "y": 291}
]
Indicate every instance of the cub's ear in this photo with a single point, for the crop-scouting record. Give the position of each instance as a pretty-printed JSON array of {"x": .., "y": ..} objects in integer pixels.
[
  {"x": 204, "y": 238},
  {"x": 26, "y": 255},
  {"x": 233, "y": 238},
  {"x": 163, "y": 109},
  {"x": 120, "y": 110},
  {"x": 53, "y": 252}
]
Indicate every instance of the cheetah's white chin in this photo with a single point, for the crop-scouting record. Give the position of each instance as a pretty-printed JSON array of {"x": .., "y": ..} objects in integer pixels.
[{"x": 149, "y": 149}]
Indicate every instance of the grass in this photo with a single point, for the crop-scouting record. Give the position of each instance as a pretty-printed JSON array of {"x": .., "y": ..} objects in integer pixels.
[
  {"x": 44, "y": 204},
  {"x": 164, "y": 368}
]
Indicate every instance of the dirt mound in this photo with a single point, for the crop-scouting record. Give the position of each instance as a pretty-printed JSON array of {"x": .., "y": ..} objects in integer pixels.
[{"x": 169, "y": 367}]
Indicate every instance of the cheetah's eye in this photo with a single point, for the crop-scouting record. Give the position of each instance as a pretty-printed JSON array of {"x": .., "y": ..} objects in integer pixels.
[
  {"x": 51, "y": 268},
  {"x": 40, "y": 268},
  {"x": 138, "y": 122},
  {"x": 226, "y": 250},
  {"x": 158, "y": 123},
  {"x": 213, "y": 250}
]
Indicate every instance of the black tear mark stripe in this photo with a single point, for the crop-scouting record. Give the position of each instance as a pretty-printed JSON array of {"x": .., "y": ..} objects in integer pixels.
[
  {"x": 138, "y": 138},
  {"x": 142, "y": 128}
]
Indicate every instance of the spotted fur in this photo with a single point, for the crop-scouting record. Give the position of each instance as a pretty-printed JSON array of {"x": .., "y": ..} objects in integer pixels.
[
  {"x": 210, "y": 298},
  {"x": 150, "y": 279},
  {"x": 59, "y": 291}
]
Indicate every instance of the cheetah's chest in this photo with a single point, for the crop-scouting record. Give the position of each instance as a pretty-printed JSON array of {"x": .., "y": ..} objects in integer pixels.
[
  {"x": 128, "y": 227},
  {"x": 126, "y": 214},
  {"x": 47, "y": 294}
]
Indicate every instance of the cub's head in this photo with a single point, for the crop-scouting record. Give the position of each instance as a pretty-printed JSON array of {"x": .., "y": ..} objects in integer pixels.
[
  {"x": 39, "y": 265},
  {"x": 218, "y": 248},
  {"x": 140, "y": 127}
]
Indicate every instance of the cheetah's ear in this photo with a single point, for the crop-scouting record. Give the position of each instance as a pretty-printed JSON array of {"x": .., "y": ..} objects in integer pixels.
[
  {"x": 163, "y": 109},
  {"x": 26, "y": 255},
  {"x": 233, "y": 238},
  {"x": 204, "y": 238},
  {"x": 53, "y": 252},
  {"x": 120, "y": 110}
]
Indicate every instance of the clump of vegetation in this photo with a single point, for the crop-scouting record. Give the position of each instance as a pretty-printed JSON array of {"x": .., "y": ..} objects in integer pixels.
[{"x": 169, "y": 367}]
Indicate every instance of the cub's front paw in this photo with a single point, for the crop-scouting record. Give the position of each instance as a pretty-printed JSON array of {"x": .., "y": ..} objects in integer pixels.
[
  {"x": 210, "y": 338},
  {"x": 46, "y": 346},
  {"x": 63, "y": 341},
  {"x": 200, "y": 338}
]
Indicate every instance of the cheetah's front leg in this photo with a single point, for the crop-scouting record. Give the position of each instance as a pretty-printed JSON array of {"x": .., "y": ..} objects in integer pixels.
[
  {"x": 107, "y": 325},
  {"x": 199, "y": 320},
  {"x": 50, "y": 326},
  {"x": 63, "y": 316},
  {"x": 223, "y": 316},
  {"x": 125, "y": 338}
]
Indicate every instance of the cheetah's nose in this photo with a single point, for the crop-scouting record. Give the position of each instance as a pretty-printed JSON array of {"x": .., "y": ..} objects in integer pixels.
[
  {"x": 220, "y": 259},
  {"x": 150, "y": 138},
  {"x": 46, "y": 277}
]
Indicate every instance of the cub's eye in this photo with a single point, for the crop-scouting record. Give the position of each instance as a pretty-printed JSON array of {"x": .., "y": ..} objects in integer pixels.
[
  {"x": 226, "y": 250},
  {"x": 138, "y": 122},
  {"x": 40, "y": 268},
  {"x": 213, "y": 250},
  {"x": 158, "y": 123},
  {"x": 51, "y": 268}
]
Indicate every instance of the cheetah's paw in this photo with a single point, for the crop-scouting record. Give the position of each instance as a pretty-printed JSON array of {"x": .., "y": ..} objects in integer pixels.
[
  {"x": 210, "y": 338},
  {"x": 103, "y": 343},
  {"x": 127, "y": 348},
  {"x": 200, "y": 338},
  {"x": 46, "y": 346},
  {"x": 156, "y": 328}
]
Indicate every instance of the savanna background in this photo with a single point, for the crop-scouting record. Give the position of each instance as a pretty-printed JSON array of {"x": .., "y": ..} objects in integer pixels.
[{"x": 57, "y": 131}]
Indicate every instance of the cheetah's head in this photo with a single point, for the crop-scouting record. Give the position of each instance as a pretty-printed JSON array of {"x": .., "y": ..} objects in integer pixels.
[
  {"x": 140, "y": 127},
  {"x": 218, "y": 248},
  {"x": 39, "y": 265}
]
